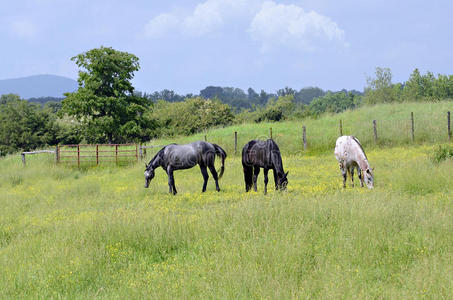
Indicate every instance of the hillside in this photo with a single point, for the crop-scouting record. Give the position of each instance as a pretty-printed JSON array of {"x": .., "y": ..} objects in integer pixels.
[
  {"x": 393, "y": 129},
  {"x": 38, "y": 86}
]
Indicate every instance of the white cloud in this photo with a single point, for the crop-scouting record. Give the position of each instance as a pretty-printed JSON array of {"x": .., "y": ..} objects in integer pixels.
[
  {"x": 23, "y": 28},
  {"x": 207, "y": 17},
  {"x": 277, "y": 25},
  {"x": 161, "y": 25},
  {"x": 270, "y": 24}
]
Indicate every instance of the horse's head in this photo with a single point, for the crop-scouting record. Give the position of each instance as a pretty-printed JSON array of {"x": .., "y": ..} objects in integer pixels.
[
  {"x": 283, "y": 181},
  {"x": 368, "y": 177},
  {"x": 149, "y": 175}
]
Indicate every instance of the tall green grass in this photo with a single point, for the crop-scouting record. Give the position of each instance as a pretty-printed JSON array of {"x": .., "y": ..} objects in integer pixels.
[
  {"x": 98, "y": 233},
  {"x": 393, "y": 129}
]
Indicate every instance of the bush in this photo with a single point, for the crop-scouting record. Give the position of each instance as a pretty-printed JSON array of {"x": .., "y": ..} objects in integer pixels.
[
  {"x": 25, "y": 126},
  {"x": 191, "y": 116},
  {"x": 334, "y": 103},
  {"x": 442, "y": 153},
  {"x": 277, "y": 110}
]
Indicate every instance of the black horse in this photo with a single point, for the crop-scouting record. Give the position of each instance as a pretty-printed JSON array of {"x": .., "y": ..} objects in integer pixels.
[
  {"x": 258, "y": 154},
  {"x": 177, "y": 157}
]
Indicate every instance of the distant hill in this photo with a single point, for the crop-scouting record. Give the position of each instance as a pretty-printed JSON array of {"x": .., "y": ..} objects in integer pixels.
[{"x": 38, "y": 86}]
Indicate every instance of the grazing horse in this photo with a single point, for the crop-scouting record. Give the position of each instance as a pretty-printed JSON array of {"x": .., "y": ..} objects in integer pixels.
[
  {"x": 258, "y": 154},
  {"x": 350, "y": 155},
  {"x": 177, "y": 157}
]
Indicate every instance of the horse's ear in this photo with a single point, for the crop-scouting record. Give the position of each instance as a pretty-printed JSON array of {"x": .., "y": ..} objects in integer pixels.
[{"x": 286, "y": 174}]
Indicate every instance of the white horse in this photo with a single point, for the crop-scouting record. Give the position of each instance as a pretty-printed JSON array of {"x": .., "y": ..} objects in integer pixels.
[{"x": 350, "y": 155}]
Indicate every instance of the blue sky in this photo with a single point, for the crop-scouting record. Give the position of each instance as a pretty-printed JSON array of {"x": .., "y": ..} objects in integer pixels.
[{"x": 188, "y": 45}]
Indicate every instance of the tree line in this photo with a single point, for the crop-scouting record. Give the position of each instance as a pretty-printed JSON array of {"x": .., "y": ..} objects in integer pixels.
[{"x": 107, "y": 109}]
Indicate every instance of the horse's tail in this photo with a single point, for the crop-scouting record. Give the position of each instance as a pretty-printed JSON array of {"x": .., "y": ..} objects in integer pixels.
[{"x": 222, "y": 154}]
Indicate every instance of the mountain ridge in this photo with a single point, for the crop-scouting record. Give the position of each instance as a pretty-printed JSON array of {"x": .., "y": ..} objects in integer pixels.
[{"x": 35, "y": 86}]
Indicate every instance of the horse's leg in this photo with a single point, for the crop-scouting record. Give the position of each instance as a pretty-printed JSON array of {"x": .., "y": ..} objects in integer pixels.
[
  {"x": 344, "y": 174},
  {"x": 359, "y": 173},
  {"x": 256, "y": 171},
  {"x": 216, "y": 178},
  {"x": 174, "y": 187},
  {"x": 248, "y": 174},
  {"x": 266, "y": 180},
  {"x": 275, "y": 179},
  {"x": 170, "y": 175},
  {"x": 171, "y": 181},
  {"x": 204, "y": 172},
  {"x": 352, "y": 175}
]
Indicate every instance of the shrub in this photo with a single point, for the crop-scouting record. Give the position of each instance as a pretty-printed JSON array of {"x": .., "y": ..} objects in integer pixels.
[
  {"x": 442, "y": 153},
  {"x": 191, "y": 116}
]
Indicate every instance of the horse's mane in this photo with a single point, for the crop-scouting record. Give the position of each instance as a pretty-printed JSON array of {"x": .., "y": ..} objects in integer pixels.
[
  {"x": 273, "y": 144},
  {"x": 159, "y": 154},
  {"x": 360, "y": 145}
]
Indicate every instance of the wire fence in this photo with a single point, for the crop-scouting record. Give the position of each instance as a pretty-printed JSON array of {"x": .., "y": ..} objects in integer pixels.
[
  {"x": 313, "y": 136},
  {"x": 307, "y": 137}
]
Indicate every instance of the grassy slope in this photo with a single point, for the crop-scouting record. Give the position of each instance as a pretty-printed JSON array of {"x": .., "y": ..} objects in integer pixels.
[
  {"x": 97, "y": 232},
  {"x": 393, "y": 126}
]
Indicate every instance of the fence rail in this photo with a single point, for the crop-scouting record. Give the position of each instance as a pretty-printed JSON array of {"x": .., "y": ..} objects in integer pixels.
[
  {"x": 34, "y": 152},
  {"x": 413, "y": 129},
  {"x": 96, "y": 153}
]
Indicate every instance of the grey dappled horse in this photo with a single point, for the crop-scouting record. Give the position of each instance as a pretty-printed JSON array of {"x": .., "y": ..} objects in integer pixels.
[
  {"x": 177, "y": 157},
  {"x": 350, "y": 156},
  {"x": 258, "y": 154}
]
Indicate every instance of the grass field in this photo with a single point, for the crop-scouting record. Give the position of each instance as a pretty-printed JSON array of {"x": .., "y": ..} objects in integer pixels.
[
  {"x": 98, "y": 233},
  {"x": 393, "y": 128}
]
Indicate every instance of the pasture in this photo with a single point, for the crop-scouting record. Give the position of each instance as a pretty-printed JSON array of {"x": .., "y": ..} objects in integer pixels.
[
  {"x": 393, "y": 129},
  {"x": 97, "y": 232}
]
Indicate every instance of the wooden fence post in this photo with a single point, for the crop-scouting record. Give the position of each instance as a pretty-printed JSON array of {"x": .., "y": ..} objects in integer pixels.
[
  {"x": 116, "y": 154},
  {"x": 136, "y": 152},
  {"x": 57, "y": 156},
  {"x": 23, "y": 158},
  {"x": 304, "y": 137},
  {"x": 78, "y": 156},
  {"x": 141, "y": 152},
  {"x": 375, "y": 131},
  {"x": 235, "y": 142},
  {"x": 341, "y": 128},
  {"x": 205, "y": 138},
  {"x": 270, "y": 129},
  {"x": 412, "y": 126},
  {"x": 97, "y": 154},
  {"x": 448, "y": 126}
]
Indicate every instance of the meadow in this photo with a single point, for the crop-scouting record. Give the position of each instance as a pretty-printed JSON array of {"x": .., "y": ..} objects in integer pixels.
[
  {"x": 97, "y": 232},
  {"x": 393, "y": 129}
]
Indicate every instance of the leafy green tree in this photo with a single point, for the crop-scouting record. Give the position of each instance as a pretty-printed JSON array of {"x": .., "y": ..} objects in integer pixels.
[
  {"x": 286, "y": 91},
  {"x": 279, "y": 109},
  {"x": 105, "y": 104},
  {"x": 443, "y": 87},
  {"x": 306, "y": 95},
  {"x": 25, "y": 126},
  {"x": 334, "y": 103},
  {"x": 379, "y": 88},
  {"x": 191, "y": 116},
  {"x": 5, "y": 98}
]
